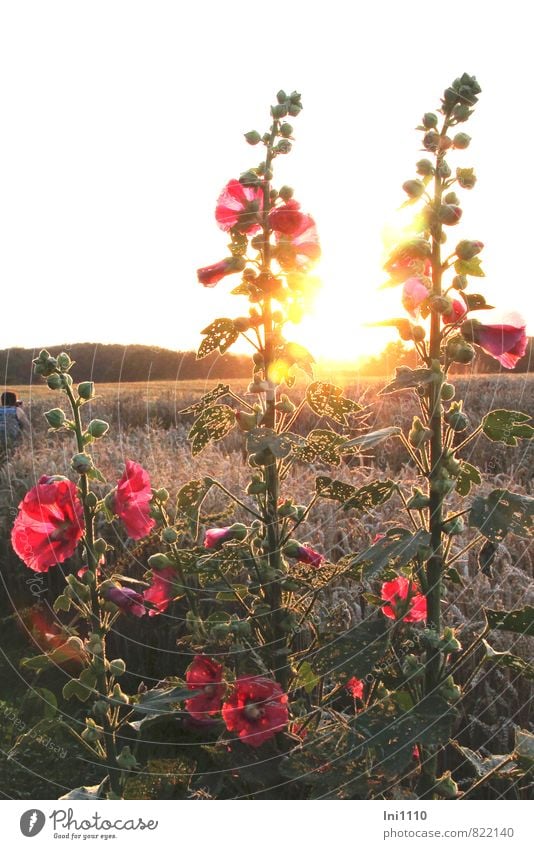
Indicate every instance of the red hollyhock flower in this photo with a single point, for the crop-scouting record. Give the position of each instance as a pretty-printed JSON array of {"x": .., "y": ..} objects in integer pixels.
[
  {"x": 395, "y": 593},
  {"x": 459, "y": 311},
  {"x": 288, "y": 219},
  {"x": 211, "y": 274},
  {"x": 506, "y": 342},
  {"x": 161, "y": 591},
  {"x": 238, "y": 207},
  {"x": 206, "y": 675},
  {"x": 355, "y": 687},
  {"x": 303, "y": 553},
  {"x": 127, "y": 600},
  {"x": 256, "y": 710},
  {"x": 49, "y": 524},
  {"x": 414, "y": 293},
  {"x": 216, "y": 536},
  {"x": 301, "y": 249},
  {"x": 132, "y": 501}
]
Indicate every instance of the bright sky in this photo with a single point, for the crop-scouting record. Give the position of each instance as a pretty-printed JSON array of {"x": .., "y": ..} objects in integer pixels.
[{"x": 123, "y": 120}]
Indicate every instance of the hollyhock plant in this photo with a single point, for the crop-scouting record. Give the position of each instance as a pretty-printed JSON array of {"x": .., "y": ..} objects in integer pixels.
[
  {"x": 49, "y": 524},
  {"x": 205, "y": 675},
  {"x": 132, "y": 501},
  {"x": 506, "y": 342},
  {"x": 256, "y": 710},
  {"x": 161, "y": 591},
  {"x": 126, "y": 599},
  {"x": 414, "y": 293},
  {"x": 303, "y": 554},
  {"x": 238, "y": 207},
  {"x": 212, "y": 274},
  {"x": 355, "y": 687},
  {"x": 403, "y": 600}
]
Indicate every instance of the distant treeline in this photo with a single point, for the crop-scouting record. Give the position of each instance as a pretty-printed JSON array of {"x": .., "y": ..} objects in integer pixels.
[
  {"x": 114, "y": 363},
  {"x": 125, "y": 363}
]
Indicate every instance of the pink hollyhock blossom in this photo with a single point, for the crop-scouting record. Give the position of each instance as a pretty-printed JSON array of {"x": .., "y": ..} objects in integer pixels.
[
  {"x": 459, "y": 311},
  {"x": 355, "y": 687},
  {"x": 506, "y": 342},
  {"x": 395, "y": 593},
  {"x": 216, "y": 536},
  {"x": 303, "y": 553},
  {"x": 288, "y": 219},
  {"x": 128, "y": 600},
  {"x": 301, "y": 249},
  {"x": 161, "y": 591},
  {"x": 414, "y": 293},
  {"x": 132, "y": 501},
  {"x": 205, "y": 675},
  {"x": 238, "y": 207},
  {"x": 256, "y": 710},
  {"x": 49, "y": 524},
  {"x": 211, "y": 274},
  {"x": 378, "y": 537}
]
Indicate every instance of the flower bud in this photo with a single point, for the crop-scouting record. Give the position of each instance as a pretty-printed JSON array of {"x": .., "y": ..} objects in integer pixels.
[
  {"x": 425, "y": 168},
  {"x": 449, "y": 214},
  {"x": 294, "y": 109},
  {"x": 449, "y": 641},
  {"x": 285, "y": 405},
  {"x": 161, "y": 494},
  {"x": 169, "y": 535},
  {"x": 430, "y": 120},
  {"x": 246, "y": 421},
  {"x": 286, "y": 130},
  {"x": 97, "y": 428},
  {"x": 452, "y": 198},
  {"x": 286, "y": 193},
  {"x": 431, "y": 141},
  {"x": 253, "y": 137},
  {"x": 117, "y": 667},
  {"x": 81, "y": 464},
  {"x": 413, "y": 188},
  {"x": 443, "y": 170},
  {"x": 419, "y": 434},
  {"x": 257, "y": 486},
  {"x": 461, "y": 112},
  {"x": 281, "y": 96},
  {"x": 242, "y": 324},
  {"x": 55, "y": 418},
  {"x": 456, "y": 418},
  {"x": 126, "y": 760},
  {"x": 279, "y": 111},
  {"x": 64, "y": 362},
  {"x": 54, "y": 381},
  {"x": 418, "y": 501},
  {"x": 460, "y": 282},
  {"x": 100, "y": 545},
  {"x": 86, "y": 390},
  {"x": 238, "y": 531},
  {"x": 460, "y": 351},
  {"x": 461, "y": 141},
  {"x": 467, "y": 249},
  {"x": 159, "y": 561},
  {"x": 446, "y": 786},
  {"x": 466, "y": 177},
  {"x": 283, "y": 146},
  {"x": 447, "y": 392},
  {"x": 457, "y": 526},
  {"x": 440, "y": 304}
]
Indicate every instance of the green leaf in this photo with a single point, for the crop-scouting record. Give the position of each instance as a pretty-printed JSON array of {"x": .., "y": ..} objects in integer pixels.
[
  {"x": 502, "y": 512},
  {"x": 471, "y": 267},
  {"x": 354, "y": 652},
  {"x": 156, "y": 701},
  {"x": 76, "y": 689},
  {"x": 369, "y": 440},
  {"x": 507, "y": 426},
  {"x": 43, "y": 702},
  {"x": 211, "y": 426},
  {"x": 207, "y": 400},
  {"x": 371, "y": 495},
  {"x": 334, "y": 490},
  {"x": 510, "y": 661},
  {"x": 190, "y": 498},
  {"x": 482, "y": 765},
  {"x": 262, "y": 439},
  {"x": 96, "y": 791},
  {"x": 294, "y": 354},
  {"x": 321, "y": 445},
  {"x": 475, "y": 302},
  {"x": 524, "y": 747},
  {"x": 520, "y": 621},
  {"x": 306, "y": 678},
  {"x": 397, "y": 548},
  {"x": 409, "y": 378},
  {"x": 220, "y": 334},
  {"x": 467, "y": 476},
  {"x": 325, "y": 399},
  {"x": 62, "y": 602}
]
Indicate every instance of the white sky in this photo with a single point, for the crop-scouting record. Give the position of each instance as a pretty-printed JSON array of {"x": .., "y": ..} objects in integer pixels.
[{"x": 123, "y": 120}]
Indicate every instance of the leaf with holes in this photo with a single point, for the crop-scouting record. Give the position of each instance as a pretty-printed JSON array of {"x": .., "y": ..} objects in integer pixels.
[
  {"x": 264, "y": 439},
  {"x": 502, "y": 512},
  {"x": 467, "y": 476},
  {"x": 211, "y": 425},
  {"x": 398, "y": 548},
  {"x": 325, "y": 399},
  {"x": 220, "y": 334},
  {"x": 321, "y": 445},
  {"x": 507, "y": 426},
  {"x": 520, "y": 621},
  {"x": 190, "y": 498},
  {"x": 482, "y": 765},
  {"x": 371, "y": 495},
  {"x": 409, "y": 378},
  {"x": 510, "y": 661},
  {"x": 206, "y": 401},
  {"x": 334, "y": 490}
]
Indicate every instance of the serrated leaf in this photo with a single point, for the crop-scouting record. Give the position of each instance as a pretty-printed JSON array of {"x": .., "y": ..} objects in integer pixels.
[
  {"x": 397, "y": 548},
  {"x": 371, "y": 495},
  {"x": 467, "y": 476},
  {"x": 507, "y": 426},
  {"x": 408, "y": 378},
  {"x": 190, "y": 498},
  {"x": 265, "y": 439},
  {"x": 334, "y": 490},
  {"x": 220, "y": 334},
  {"x": 211, "y": 426},
  {"x": 520, "y": 621},
  {"x": 326, "y": 399},
  {"x": 354, "y": 652},
  {"x": 207, "y": 400},
  {"x": 323, "y": 445},
  {"x": 369, "y": 440},
  {"x": 502, "y": 512},
  {"x": 471, "y": 267}
]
